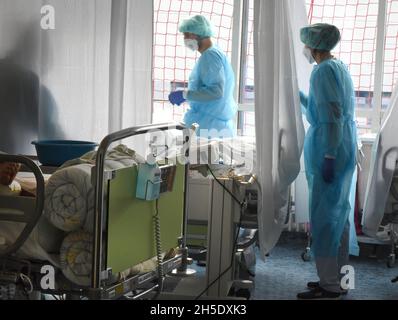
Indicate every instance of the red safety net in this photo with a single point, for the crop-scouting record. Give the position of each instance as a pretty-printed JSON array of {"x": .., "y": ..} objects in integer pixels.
[
  {"x": 248, "y": 117},
  {"x": 248, "y": 93},
  {"x": 391, "y": 48},
  {"x": 172, "y": 62},
  {"x": 357, "y": 21}
]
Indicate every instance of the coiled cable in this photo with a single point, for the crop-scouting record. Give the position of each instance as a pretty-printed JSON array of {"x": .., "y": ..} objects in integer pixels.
[{"x": 158, "y": 242}]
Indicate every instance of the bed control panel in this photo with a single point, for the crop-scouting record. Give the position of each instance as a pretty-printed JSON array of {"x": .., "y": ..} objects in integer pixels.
[
  {"x": 154, "y": 180},
  {"x": 167, "y": 175}
]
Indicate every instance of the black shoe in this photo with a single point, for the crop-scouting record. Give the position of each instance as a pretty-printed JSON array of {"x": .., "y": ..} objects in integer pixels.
[
  {"x": 314, "y": 285},
  {"x": 319, "y": 294}
]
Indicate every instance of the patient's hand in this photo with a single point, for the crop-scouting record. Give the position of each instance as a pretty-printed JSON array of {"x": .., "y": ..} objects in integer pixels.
[{"x": 8, "y": 171}]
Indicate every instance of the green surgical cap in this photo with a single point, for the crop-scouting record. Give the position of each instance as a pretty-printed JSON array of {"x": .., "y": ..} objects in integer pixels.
[
  {"x": 198, "y": 25},
  {"x": 320, "y": 36}
]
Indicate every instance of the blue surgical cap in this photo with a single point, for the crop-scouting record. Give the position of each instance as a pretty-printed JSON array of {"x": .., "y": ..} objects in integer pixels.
[
  {"x": 198, "y": 25},
  {"x": 320, "y": 36}
]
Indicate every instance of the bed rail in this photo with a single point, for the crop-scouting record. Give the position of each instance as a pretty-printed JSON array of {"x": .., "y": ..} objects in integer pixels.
[
  {"x": 99, "y": 210},
  {"x": 20, "y": 210}
]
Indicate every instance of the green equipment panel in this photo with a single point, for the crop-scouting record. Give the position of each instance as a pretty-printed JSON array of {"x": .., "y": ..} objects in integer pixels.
[{"x": 131, "y": 227}]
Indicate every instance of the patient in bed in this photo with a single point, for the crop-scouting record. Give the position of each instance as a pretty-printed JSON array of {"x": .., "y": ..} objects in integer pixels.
[{"x": 8, "y": 171}]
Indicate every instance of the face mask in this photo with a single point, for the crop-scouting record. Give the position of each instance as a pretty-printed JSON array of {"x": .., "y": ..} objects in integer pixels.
[
  {"x": 192, "y": 44},
  {"x": 308, "y": 55}
]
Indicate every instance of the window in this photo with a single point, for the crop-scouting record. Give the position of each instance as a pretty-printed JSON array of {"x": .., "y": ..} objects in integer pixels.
[
  {"x": 246, "y": 116},
  {"x": 247, "y": 93},
  {"x": 172, "y": 62},
  {"x": 358, "y": 22},
  {"x": 391, "y": 49}
]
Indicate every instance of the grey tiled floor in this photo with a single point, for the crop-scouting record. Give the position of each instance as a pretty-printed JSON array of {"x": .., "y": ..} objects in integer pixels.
[{"x": 284, "y": 273}]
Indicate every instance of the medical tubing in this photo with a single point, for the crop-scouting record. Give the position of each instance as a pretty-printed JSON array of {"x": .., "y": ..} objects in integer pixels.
[
  {"x": 26, "y": 280},
  {"x": 241, "y": 204},
  {"x": 158, "y": 241},
  {"x": 225, "y": 188}
]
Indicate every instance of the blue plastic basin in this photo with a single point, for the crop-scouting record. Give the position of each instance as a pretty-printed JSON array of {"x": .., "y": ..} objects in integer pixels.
[{"x": 57, "y": 152}]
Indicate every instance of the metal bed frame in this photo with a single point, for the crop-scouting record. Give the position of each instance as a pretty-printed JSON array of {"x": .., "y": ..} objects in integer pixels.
[{"x": 102, "y": 285}]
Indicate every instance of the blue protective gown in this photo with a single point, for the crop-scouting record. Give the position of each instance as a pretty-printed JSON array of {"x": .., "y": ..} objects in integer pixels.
[
  {"x": 210, "y": 94},
  {"x": 330, "y": 111}
]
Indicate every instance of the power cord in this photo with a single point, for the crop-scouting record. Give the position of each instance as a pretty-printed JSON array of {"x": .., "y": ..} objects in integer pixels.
[
  {"x": 26, "y": 281},
  {"x": 225, "y": 188},
  {"x": 158, "y": 240}
]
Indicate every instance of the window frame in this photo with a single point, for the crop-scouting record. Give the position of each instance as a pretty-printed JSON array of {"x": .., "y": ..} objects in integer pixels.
[
  {"x": 240, "y": 38},
  {"x": 375, "y": 114},
  {"x": 240, "y": 34}
]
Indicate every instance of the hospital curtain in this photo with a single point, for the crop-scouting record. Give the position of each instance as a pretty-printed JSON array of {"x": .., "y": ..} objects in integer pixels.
[
  {"x": 280, "y": 69},
  {"x": 381, "y": 186},
  {"x": 73, "y": 69}
]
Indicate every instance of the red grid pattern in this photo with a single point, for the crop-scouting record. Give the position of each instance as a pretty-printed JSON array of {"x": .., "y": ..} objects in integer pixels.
[
  {"x": 391, "y": 48},
  {"x": 172, "y": 62},
  {"x": 248, "y": 93},
  {"x": 248, "y": 117},
  {"x": 357, "y": 21}
]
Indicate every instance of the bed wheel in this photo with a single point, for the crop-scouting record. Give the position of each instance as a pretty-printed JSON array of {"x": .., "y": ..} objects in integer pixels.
[
  {"x": 391, "y": 261},
  {"x": 243, "y": 293},
  {"x": 240, "y": 293},
  {"x": 306, "y": 255}
]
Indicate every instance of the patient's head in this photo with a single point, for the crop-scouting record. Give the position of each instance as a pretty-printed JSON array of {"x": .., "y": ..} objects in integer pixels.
[{"x": 8, "y": 171}]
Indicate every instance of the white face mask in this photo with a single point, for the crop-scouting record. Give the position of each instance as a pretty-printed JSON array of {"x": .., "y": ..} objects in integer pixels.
[
  {"x": 308, "y": 55},
  {"x": 191, "y": 44}
]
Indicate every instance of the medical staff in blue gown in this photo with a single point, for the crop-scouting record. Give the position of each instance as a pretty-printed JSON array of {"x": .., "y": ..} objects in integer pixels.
[
  {"x": 211, "y": 83},
  {"x": 330, "y": 158}
]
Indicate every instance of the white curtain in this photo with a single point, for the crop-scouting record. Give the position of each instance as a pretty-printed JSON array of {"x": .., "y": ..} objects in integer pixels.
[
  {"x": 280, "y": 69},
  {"x": 87, "y": 77},
  {"x": 382, "y": 169}
]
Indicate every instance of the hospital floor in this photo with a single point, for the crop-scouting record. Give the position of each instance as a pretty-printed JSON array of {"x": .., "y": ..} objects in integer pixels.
[{"x": 284, "y": 273}]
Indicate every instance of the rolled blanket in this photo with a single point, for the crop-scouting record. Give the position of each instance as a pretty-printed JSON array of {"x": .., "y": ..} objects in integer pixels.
[
  {"x": 69, "y": 198},
  {"x": 43, "y": 243},
  {"x": 76, "y": 257},
  {"x": 76, "y": 260},
  {"x": 117, "y": 158},
  {"x": 144, "y": 267},
  {"x": 147, "y": 266}
]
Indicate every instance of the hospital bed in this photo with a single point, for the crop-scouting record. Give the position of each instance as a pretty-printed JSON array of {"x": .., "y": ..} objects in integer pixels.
[
  {"x": 126, "y": 233},
  {"x": 380, "y": 215},
  {"x": 222, "y": 217},
  {"x": 387, "y": 234}
]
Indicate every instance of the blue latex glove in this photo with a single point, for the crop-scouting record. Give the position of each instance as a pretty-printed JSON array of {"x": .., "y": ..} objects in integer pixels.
[
  {"x": 177, "y": 97},
  {"x": 328, "y": 170},
  {"x": 303, "y": 99}
]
